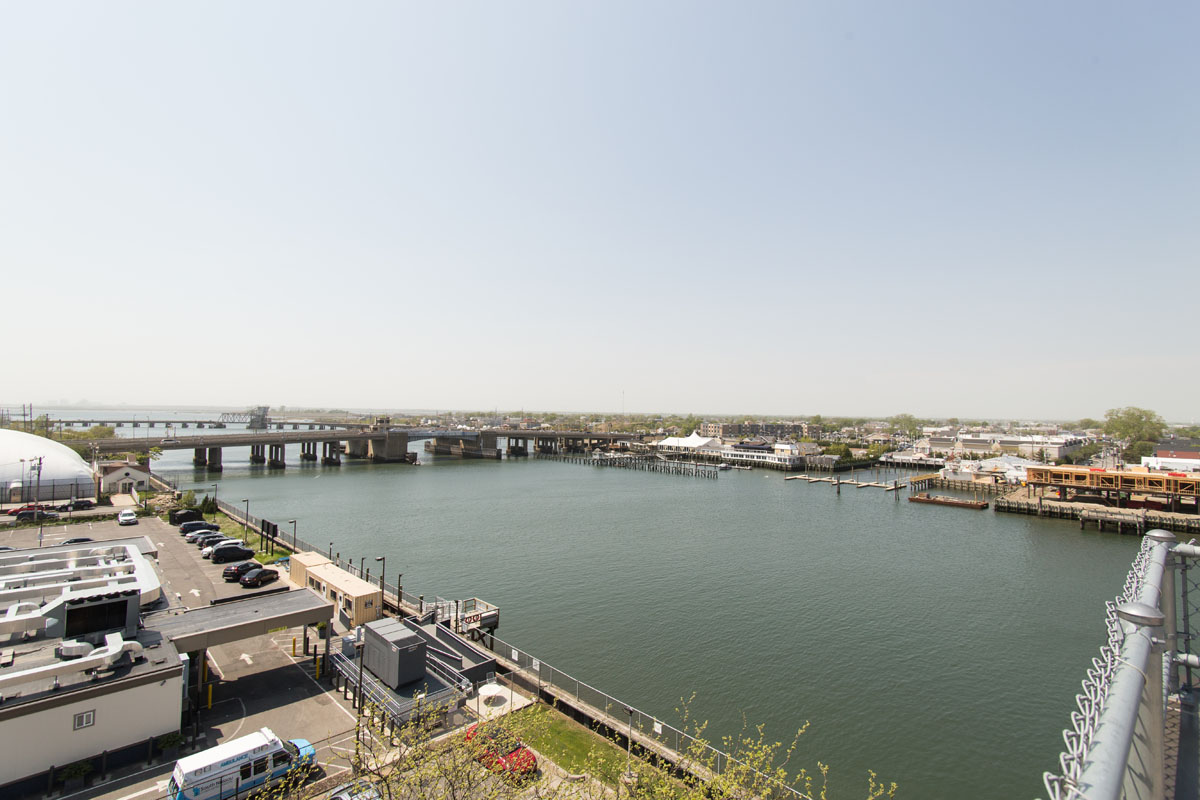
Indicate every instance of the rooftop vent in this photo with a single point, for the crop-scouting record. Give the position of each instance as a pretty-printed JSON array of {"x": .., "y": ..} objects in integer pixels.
[{"x": 74, "y": 649}]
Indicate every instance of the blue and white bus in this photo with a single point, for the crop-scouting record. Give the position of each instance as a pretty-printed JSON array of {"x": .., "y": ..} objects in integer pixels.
[{"x": 238, "y": 767}]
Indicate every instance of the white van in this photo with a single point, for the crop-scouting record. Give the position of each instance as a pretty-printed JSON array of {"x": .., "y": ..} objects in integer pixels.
[{"x": 238, "y": 767}]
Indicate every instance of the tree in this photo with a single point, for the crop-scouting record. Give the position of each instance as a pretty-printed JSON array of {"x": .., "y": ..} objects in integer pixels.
[
  {"x": 1136, "y": 451},
  {"x": 1132, "y": 424},
  {"x": 1087, "y": 424},
  {"x": 408, "y": 763},
  {"x": 907, "y": 424}
]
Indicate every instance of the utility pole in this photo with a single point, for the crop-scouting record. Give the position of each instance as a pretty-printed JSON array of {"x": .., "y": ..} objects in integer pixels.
[{"x": 37, "y": 498}]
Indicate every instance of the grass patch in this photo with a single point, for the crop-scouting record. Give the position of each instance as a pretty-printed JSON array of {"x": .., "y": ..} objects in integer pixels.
[
  {"x": 577, "y": 748},
  {"x": 234, "y": 530}
]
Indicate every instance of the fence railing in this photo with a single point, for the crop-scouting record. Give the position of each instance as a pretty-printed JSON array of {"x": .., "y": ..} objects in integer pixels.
[
  {"x": 705, "y": 757},
  {"x": 397, "y": 711},
  {"x": 391, "y": 592},
  {"x": 1116, "y": 745}
]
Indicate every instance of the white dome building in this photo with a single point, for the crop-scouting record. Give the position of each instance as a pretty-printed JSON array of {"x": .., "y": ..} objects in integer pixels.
[{"x": 64, "y": 474}]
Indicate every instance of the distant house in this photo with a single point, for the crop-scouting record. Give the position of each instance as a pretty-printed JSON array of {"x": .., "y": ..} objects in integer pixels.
[{"x": 123, "y": 477}]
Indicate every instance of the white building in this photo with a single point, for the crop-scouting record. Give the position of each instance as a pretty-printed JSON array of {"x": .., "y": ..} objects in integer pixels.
[
  {"x": 123, "y": 477},
  {"x": 78, "y": 675}
]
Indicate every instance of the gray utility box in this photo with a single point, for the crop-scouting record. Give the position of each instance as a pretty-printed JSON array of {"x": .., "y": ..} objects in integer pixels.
[{"x": 393, "y": 653}]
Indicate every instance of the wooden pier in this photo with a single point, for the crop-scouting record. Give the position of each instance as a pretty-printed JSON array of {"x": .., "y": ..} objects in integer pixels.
[
  {"x": 1132, "y": 521},
  {"x": 691, "y": 469},
  {"x": 934, "y": 480}
]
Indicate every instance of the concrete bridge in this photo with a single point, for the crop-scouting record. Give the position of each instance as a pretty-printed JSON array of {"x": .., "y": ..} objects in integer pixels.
[{"x": 380, "y": 442}]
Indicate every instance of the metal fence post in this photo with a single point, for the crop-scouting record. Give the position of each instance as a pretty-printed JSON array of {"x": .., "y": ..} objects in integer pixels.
[{"x": 1167, "y": 605}]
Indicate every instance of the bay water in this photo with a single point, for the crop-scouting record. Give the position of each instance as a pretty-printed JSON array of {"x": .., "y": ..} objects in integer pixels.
[{"x": 940, "y": 647}]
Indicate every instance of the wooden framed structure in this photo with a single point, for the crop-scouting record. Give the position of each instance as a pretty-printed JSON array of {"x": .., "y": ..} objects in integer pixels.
[{"x": 1162, "y": 483}]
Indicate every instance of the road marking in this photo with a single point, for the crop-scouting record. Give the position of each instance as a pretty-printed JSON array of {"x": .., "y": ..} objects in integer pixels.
[
  {"x": 196, "y": 592},
  {"x": 246, "y": 657},
  {"x": 159, "y": 786}
]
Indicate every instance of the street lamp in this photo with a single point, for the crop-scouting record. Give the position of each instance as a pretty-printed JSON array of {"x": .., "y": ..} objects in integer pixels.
[
  {"x": 294, "y": 539},
  {"x": 246, "y": 521},
  {"x": 382, "y": 570}
]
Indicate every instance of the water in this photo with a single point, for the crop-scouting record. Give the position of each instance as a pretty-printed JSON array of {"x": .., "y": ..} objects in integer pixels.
[{"x": 940, "y": 647}]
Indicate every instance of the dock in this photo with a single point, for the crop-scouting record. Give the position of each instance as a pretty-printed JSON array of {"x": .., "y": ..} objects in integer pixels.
[
  {"x": 839, "y": 482},
  {"x": 690, "y": 469}
]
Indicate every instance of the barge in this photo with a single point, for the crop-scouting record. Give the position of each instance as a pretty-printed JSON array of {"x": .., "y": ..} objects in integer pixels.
[{"x": 943, "y": 500}]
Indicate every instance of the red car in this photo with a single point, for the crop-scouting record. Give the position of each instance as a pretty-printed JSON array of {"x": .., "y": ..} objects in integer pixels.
[
  {"x": 500, "y": 751},
  {"x": 12, "y": 512}
]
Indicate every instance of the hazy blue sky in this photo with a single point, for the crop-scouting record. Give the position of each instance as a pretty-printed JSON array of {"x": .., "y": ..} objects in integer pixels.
[{"x": 943, "y": 208}]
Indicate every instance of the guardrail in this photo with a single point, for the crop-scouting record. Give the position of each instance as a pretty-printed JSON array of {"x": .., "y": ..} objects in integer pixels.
[
  {"x": 398, "y": 712},
  {"x": 1116, "y": 745}
]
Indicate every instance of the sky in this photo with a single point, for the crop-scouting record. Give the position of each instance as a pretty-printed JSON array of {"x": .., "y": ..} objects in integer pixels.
[{"x": 970, "y": 209}]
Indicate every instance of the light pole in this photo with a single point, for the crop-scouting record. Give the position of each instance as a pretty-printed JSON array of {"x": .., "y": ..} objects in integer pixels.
[
  {"x": 294, "y": 539},
  {"x": 246, "y": 521},
  {"x": 382, "y": 571}
]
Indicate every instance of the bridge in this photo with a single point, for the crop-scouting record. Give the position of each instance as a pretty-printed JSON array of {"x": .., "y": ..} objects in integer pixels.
[{"x": 379, "y": 442}]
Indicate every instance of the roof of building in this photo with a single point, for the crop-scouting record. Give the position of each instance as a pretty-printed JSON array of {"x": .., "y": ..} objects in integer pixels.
[
  {"x": 309, "y": 558},
  {"x": 200, "y": 628},
  {"x": 59, "y": 462},
  {"x": 343, "y": 580}
]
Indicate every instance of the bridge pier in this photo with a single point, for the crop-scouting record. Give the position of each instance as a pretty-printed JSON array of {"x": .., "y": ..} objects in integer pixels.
[
  {"x": 331, "y": 453},
  {"x": 257, "y": 454},
  {"x": 214, "y": 459},
  {"x": 392, "y": 446},
  {"x": 517, "y": 446},
  {"x": 356, "y": 448},
  {"x": 198, "y": 457},
  {"x": 275, "y": 460},
  {"x": 308, "y": 451}
]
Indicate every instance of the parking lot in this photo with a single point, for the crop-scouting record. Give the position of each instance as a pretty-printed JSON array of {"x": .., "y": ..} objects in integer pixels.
[{"x": 256, "y": 682}]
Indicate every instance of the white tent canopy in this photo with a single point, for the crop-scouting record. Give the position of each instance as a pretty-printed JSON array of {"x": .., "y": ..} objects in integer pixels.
[{"x": 64, "y": 474}]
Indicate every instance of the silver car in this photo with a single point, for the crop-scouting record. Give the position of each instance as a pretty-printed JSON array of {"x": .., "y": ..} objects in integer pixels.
[{"x": 208, "y": 551}]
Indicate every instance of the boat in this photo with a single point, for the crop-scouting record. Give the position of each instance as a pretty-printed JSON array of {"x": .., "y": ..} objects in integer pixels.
[
  {"x": 723, "y": 466},
  {"x": 944, "y": 500}
]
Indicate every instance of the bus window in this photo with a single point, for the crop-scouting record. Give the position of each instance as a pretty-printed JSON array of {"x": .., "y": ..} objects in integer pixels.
[
  {"x": 245, "y": 771},
  {"x": 260, "y": 766},
  {"x": 281, "y": 759}
]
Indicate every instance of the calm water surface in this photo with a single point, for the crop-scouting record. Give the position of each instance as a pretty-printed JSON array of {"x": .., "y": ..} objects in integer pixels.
[{"x": 940, "y": 647}]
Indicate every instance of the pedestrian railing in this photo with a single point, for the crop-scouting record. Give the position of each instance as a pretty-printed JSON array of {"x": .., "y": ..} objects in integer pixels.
[
  {"x": 1116, "y": 745},
  {"x": 685, "y": 748}
]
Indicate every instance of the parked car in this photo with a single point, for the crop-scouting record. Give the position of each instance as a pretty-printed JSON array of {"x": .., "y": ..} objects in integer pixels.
[
  {"x": 257, "y": 577},
  {"x": 209, "y": 537},
  {"x": 234, "y": 572},
  {"x": 230, "y": 552},
  {"x": 33, "y": 515},
  {"x": 360, "y": 789},
  {"x": 77, "y": 505},
  {"x": 79, "y": 540},
  {"x": 12, "y": 512},
  {"x": 501, "y": 751},
  {"x": 198, "y": 525},
  {"x": 196, "y": 536},
  {"x": 207, "y": 550},
  {"x": 127, "y": 517}
]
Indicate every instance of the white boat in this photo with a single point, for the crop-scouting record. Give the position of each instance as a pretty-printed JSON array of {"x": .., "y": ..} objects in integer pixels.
[{"x": 724, "y": 466}]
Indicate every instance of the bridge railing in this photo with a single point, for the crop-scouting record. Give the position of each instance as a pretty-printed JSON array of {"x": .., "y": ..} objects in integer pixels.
[{"x": 1117, "y": 744}]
